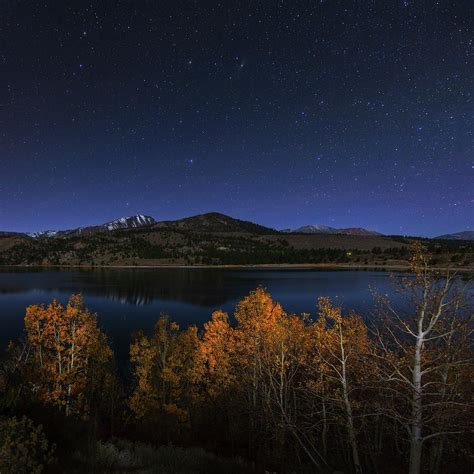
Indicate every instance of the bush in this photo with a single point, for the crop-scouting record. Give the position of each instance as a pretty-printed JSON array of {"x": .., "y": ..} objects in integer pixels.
[
  {"x": 125, "y": 456},
  {"x": 23, "y": 447}
]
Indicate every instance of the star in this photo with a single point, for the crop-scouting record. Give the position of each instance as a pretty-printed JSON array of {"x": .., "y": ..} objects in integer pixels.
[{"x": 298, "y": 108}]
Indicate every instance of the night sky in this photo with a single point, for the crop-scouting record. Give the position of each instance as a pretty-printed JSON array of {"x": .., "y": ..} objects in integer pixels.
[{"x": 280, "y": 112}]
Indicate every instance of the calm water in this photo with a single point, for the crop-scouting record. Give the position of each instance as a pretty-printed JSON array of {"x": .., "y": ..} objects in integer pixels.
[{"x": 130, "y": 299}]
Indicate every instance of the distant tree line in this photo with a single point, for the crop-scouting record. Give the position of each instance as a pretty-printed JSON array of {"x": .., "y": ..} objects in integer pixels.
[{"x": 184, "y": 247}]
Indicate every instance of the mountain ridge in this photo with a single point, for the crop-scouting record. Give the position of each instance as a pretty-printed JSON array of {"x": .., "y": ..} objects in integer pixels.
[
  {"x": 213, "y": 239},
  {"x": 208, "y": 222},
  {"x": 129, "y": 222},
  {"x": 324, "y": 229},
  {"x": 462, "y": 235}
]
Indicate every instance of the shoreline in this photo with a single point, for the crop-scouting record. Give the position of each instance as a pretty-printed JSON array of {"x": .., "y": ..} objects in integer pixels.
[{"x": 270, "y": 266}]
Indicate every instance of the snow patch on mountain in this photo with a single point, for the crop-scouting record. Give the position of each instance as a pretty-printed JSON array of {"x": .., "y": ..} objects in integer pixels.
[
  {"x": 42, "y": 234},
  {"x": 130, "y": 222},
  {"x": 121, "y": 223}
]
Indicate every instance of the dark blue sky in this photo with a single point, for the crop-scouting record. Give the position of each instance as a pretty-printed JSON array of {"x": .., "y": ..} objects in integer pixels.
[{"x": 280, "y": 112}]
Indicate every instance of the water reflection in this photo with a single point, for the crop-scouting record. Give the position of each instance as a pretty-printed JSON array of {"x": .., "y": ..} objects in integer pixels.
[
  {"x": 203, "y": 287},
  {"x": 139, "y": 287},
  {"x": 130, "y": 299}
]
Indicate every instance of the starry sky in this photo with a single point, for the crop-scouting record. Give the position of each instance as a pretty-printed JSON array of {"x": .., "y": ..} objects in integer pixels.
[{"x": 344, "y": 113}]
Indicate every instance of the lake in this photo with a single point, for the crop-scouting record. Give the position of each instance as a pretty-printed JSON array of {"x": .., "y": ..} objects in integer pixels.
[{"x": 133, "y": 298}]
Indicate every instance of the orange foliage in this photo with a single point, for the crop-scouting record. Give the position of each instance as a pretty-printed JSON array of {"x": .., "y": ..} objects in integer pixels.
[
  {"x": 215, "y": 354},
  {"x": 164, "y": 369},
  {"x": 67, "y": 347}
]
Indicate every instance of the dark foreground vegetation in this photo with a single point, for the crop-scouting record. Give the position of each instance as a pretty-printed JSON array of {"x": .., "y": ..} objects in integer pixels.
[{"x": 267, "y": 391}]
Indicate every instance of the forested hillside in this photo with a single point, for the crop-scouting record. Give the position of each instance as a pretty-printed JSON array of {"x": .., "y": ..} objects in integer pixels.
[{"x": 215, "y": 239}]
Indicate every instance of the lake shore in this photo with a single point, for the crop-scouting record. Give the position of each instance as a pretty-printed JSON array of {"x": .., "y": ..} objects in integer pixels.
[{"x": 274, "y": 266}]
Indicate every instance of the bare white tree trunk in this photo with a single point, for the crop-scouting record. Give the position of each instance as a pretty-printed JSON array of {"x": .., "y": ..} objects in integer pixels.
[
  {"x": 348, "y": 407},
  {"x": 416, "y": 439}
]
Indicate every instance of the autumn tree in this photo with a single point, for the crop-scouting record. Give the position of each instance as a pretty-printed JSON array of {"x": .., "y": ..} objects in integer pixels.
[
  {"x": 69, "y": 355},
  {"x": 340, "y": 368},
  {"x": 283, "y": 372},
  {"x": 256, "y": 317},
  {"x": 164, "y": 367},
  {"x": 269, "y": 353},
  {"x": 425, "y": 355},
  {"x": 215, "y": 354},
  {"x": 216, "y": 382}
]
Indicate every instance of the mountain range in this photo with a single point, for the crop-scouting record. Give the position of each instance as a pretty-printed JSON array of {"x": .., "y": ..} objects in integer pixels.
[
  {"x": 210, "y": 222},
  {"x": 215, "y": 239},
  {"x": 324, "y": 229}
]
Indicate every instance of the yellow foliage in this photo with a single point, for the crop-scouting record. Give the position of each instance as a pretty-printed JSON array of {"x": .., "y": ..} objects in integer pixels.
[{"x": 164, "y": 368}]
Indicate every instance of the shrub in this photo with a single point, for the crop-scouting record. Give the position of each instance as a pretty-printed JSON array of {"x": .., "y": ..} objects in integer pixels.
[
  {"x": 125, "y": 456},
  {"x": 23, "y": 447}
]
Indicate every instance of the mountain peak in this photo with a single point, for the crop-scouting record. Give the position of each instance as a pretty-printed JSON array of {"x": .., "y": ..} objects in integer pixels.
[
  {"x": 138, "y": 220},
  {"x": 215, "y": 222}
]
